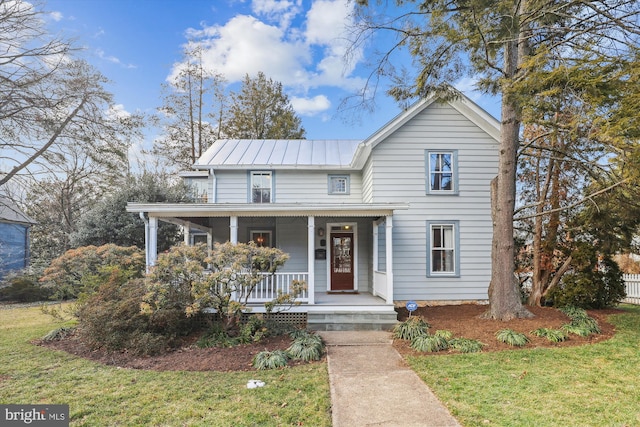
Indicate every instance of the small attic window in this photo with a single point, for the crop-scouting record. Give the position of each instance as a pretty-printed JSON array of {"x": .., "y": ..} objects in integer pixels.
[{"x": 339, "y": 184}]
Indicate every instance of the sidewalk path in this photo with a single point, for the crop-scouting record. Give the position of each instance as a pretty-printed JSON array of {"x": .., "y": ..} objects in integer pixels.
[{"x": 372, "y": 386}]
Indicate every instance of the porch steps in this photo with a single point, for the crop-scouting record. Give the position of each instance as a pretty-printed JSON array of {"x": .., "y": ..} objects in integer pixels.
[{"x": 356, "y": 320}]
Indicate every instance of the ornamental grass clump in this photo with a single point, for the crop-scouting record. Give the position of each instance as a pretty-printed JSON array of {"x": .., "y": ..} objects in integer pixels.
[
  {"x": 581, "y": 323},
  {"x": 553, "y": 335},
  {"x": 512, "y": 338},
  {"x": 432, "y": 343},
  {"x": 466, "y": 345},
  {"x": 270, "y": 360},
  {"x": 411, "y": 328},
  {"x": 307, "y": 347}
]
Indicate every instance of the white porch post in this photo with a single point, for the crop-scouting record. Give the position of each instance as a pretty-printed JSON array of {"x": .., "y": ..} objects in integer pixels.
[
  {"x": 311, "y": 260},
  {"x": 186, "y": 230},
  {"x": 389, "y": 253},
  {"x": 233, "y": 225},
  {"x": 152, "y": 246}
]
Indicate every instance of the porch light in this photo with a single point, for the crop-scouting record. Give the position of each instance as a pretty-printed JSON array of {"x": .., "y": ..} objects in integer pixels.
[
  {"x": 347, "y": 227},
  {"x": 321, "y": 232}
]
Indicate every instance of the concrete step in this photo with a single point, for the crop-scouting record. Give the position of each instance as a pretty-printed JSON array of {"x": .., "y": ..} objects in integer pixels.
[{"x": 352, "y": 320}]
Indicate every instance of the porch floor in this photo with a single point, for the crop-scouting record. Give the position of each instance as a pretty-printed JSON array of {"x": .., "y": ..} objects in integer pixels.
[{"x": 337, "y": 299}]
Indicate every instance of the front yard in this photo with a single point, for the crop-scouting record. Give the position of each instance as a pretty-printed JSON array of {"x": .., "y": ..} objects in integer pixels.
[
  {"x": 100, "y": 395},
  {"x": 588, "y": 385}
]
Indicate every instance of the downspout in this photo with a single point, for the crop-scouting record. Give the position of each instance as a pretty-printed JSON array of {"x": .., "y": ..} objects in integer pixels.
[{"x": 214, "y": 181}]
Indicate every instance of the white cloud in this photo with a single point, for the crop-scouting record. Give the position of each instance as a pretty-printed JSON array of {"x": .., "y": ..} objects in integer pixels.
[
  {"x": 310, "y": 106},
  {"x": 300, "y": 55},
  {"x": 102, "y": 55},
  {"x": 56, "y": 16},
  {"x": 282, "y": 11}
]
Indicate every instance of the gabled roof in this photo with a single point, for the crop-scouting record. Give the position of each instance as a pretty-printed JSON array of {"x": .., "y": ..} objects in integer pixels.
[
  {"x": 327, "y": 154},
  {"x": 9, "y": 212},
  {"x": 278, "y": 154}
]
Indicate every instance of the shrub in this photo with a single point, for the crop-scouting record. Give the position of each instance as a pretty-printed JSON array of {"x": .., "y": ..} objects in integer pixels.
[
  {"x": 595, "y": 283},
  {"x": 82, "y": 270},
  {"x": 111, "y": 319},
  {"x": 411, "y": 328},
  {"x": 511, "y": 337},
  {"x": 553, "y": 335},
  {"x": 24, "y": 289},
  {"x": 270, "y": 359}
]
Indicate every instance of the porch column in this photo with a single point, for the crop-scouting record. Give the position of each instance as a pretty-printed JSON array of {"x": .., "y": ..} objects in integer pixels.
[
  {"x": 311, "y": 259},
  {"x": 233, "y": 225},
  {"x": 152, "y": 244},
  {"x": 389, "y": 253},
  {"x": 186, "y": 230}
]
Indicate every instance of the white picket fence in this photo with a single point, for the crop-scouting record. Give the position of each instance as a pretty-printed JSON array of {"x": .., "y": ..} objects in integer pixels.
[{"x": 632, "y": 283}]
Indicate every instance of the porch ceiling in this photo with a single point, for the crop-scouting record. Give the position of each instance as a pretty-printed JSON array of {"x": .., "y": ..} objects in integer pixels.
[{"x": 185, "y": 210}]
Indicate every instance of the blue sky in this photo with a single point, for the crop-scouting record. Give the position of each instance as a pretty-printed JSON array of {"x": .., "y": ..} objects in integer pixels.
[{"x": 138, "y": 43}]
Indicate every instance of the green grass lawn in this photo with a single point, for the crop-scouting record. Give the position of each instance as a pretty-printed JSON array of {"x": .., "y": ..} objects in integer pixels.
[
  {"x": 592, "y": 385},
  {"x": 100, "y": 395}
]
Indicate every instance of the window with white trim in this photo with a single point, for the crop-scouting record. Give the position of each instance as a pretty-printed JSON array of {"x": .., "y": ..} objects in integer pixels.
[
  {"x": 338, "y": 184},
  {"x": 261, "y": 187},
  {"x": 443, "y": 245},
  {"x": 262, "y": 238},
  {"x": 442, "y": 172}
]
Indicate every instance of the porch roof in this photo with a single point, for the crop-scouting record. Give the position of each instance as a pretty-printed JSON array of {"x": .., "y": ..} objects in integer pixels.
[{"x": 167, "y": 210}]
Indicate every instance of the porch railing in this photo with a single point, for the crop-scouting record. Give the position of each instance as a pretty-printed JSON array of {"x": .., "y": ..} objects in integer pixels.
[
  {"x": 632, "y": 285},
  {"x": 273, "y": 285}
]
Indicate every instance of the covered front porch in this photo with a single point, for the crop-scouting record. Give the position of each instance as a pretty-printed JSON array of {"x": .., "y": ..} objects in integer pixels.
[{"x": 344, "y": 253}]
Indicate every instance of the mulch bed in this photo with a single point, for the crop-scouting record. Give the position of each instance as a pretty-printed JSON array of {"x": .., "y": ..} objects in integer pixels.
[
  {"x": 461, "y": 320},
  {"x": 464, "y": 321}
]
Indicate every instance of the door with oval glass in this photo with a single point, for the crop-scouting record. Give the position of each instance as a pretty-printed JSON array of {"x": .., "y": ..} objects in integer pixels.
[{"x": 342, "y": 256}]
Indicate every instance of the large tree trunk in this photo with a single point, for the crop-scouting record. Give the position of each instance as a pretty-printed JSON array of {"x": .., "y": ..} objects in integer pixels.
[{"x": 504, "y": 294}]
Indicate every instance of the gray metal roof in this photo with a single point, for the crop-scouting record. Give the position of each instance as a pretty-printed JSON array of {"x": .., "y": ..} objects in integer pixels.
[{"x": 279, "y": 153}]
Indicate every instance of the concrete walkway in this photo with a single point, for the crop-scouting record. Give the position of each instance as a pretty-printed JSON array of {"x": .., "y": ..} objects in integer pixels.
[{"x": 372, "y": 386}]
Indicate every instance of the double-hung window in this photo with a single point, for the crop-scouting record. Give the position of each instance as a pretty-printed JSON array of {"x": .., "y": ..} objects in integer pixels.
[
  {"x": 442, "y": 172},
  {"x": 261, "y": 190},
  {"x": 443, "y": 248}
]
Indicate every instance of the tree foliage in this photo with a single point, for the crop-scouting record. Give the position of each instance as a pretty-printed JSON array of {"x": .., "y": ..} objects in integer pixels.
[
  {"x": 82, "y": 270},
  {"x": 109, "y": 222},
  {"x": 192, "y": 279},
  {"x": 191, "y": 112},
  {"x": 50, "y": 100},
  {"x": 261, "y": 110},
  {"x": 527, "y": 52}
]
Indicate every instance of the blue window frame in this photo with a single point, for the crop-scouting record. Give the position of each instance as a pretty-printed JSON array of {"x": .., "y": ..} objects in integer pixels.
[
  {"x": 261, "y": 187},
  {"x": 443, "y": 249},
  {"x": 442, "y": 172}
]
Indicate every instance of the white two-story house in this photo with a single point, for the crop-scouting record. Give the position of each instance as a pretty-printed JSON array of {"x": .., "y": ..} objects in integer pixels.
[{"x": 402, "y": 215}]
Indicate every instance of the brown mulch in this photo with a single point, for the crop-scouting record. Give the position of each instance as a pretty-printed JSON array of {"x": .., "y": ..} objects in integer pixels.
[
  {"x": 464, "y": 321},
  {"x": 461, "y": 320}
]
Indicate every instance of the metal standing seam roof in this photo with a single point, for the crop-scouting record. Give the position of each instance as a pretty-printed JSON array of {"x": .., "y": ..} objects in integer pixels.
[{"x": 285, "y": 153}]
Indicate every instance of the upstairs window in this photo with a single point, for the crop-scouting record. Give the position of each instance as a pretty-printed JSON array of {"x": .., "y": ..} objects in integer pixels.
[
  {"x": 442, "y": 173},
  {"x": 338, "y": 184},
  {"x": 261, "y": 186}
]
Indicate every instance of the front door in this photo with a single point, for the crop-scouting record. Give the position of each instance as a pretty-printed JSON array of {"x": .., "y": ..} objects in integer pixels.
[{"x": 342, "y": 261}]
